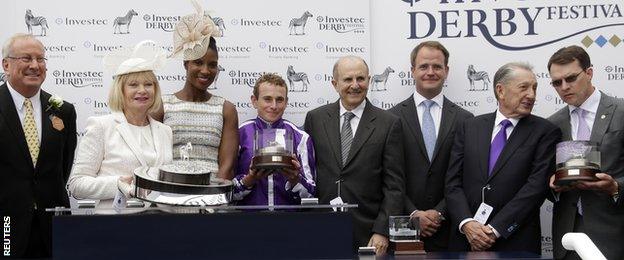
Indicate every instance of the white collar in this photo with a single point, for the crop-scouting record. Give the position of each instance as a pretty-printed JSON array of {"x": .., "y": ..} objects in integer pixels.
[
  {"x": 500, "y": 117},
  {"x": 18, "y": 99},
  {"x": 438, "y": 99},
  {"x": 357, "y": 111},
  {"x": 590, "y": 104}
]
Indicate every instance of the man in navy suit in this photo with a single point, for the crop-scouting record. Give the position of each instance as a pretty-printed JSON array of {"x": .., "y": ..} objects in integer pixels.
[
  {"x": 37, "y": 140},
  {"x": 498, "y": 169}
]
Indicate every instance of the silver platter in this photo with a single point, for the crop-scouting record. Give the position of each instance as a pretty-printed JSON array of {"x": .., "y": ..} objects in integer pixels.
[{"x": 149, "y": 188}]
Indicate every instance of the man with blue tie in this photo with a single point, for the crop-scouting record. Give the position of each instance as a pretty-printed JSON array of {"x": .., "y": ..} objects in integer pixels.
[
  {"x": 429, "y": 122},
  {"x": 590, "y": 207},
  {"x": 498, "y": 167}
]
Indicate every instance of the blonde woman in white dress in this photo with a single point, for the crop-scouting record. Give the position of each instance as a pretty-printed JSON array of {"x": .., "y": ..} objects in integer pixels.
[{"x": 116, "y": 144}]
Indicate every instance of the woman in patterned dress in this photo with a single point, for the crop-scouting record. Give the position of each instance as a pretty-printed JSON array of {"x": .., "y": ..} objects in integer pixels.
[{"x": 207, "y": 121}]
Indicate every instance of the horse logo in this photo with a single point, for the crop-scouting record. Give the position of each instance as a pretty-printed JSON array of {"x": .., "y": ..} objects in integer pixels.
[
  {"x": 474, "y": 75},
  {"x": 299, "y": 22},
  {"x": 214, "y": 83},
  {"x": 380, "y": 78},
  {"x": 32, "y": 20},
  {"x": 295, "y": 77},
  {"x": 123, "y": 20}
]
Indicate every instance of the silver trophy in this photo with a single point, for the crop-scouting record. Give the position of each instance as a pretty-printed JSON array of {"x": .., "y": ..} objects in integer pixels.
[
  {"x": 576, "y": 161},
  {"x": 273, "y": 149},
  {"x": 182, "y": 183}
]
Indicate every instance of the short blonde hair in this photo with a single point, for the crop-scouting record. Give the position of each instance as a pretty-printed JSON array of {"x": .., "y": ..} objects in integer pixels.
[
  {"x": 116, "y": 97},
  {"x": 7, "y": 48}
]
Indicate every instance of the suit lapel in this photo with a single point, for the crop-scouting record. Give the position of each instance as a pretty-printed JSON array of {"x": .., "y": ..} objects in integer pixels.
[
  {"x": 565, "y": 127},
  {"x": 155, "y": 127},
  {"x": 410, "y": 114},
  {"x": 520, "y": 133},
  {"x": 446, "y": 123},
  {"x": 46, "y": 126},
  {"x": 126, "y": 134},
  {"x": 364, "y": 130},
  {"x": 604, "y": 114},
  {"x": 332, "y": 131},
  {"x": 484, "y": 136},
  {"x": 8, "y": 110}
]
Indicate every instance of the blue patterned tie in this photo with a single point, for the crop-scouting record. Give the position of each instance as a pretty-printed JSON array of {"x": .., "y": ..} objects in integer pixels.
[
  {"x": 428, "y": 128},
  {"x": 498, "y": 144}
]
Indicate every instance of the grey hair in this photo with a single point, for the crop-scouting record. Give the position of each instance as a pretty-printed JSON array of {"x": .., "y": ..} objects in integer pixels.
[
  {"x": 8, "y": 44},
  {"x": 348, "y": 57},
  {"x": 506, "y": 73}
]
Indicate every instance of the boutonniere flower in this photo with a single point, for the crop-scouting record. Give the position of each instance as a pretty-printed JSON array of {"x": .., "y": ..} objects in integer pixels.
[{"x": 55, "y": 103}]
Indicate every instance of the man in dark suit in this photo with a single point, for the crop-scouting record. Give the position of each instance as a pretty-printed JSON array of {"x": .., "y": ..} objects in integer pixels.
[
  {"x": 37, "y": 138},
  {"x": 590, "y": 207},
  {"x": 429, "y": 121},
  {"x": 498, "y": 167},
  {"x": 359, "y": 148}
]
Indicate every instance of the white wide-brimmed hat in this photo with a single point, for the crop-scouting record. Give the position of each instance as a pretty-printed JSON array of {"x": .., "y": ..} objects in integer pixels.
[{"x": 145, "y": 56}]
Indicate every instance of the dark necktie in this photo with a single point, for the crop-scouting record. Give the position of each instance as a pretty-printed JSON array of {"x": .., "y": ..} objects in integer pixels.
[{"x": 346, "y": 136}]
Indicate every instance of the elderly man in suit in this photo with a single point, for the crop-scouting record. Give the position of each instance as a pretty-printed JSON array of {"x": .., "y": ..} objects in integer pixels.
[
  {"x": 38, "y": 138},
  {"x": 429, "y": 121},
  {"x": 590, "y": 207},
  {"x": 359, "y": 149},
  {"x": 498, "y": 167}
]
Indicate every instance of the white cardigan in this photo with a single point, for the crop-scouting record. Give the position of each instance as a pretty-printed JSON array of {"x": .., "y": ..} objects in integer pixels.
[{"x": 109, "y": 150}]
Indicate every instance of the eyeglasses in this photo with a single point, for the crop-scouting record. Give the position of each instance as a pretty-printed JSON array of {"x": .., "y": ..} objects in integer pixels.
[
  {"x": 28, "y": 59},
  {"x": 568, "y": 79}
]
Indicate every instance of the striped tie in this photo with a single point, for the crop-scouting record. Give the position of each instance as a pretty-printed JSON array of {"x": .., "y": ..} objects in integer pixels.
[
  {"x": 30, "y": 132},
  {"x": 346, "y": 136}
]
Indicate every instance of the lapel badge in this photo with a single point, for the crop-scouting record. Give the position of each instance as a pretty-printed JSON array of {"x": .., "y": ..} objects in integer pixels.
[
  {"x": 57, "y": 123},
  {"x": 603, "y": 116}
]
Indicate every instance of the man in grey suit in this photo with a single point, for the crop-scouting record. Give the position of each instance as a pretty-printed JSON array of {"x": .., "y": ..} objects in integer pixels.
[
  {"x": 429, "y": 121},
  {"x": 359, "y": 154},
  {"x": 593, "y": 208}
]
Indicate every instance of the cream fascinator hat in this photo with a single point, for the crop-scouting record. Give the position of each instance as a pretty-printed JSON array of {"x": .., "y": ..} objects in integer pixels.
[
  {"x": 192, "y": 33},
  {"x": 145, "y": 56}
]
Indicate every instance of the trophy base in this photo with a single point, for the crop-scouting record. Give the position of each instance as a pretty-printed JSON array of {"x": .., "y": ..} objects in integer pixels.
[
  {"x": 568, "y": 177},
  {"x": 272, "y": 162},
  {"x": 408, "y": 247}
]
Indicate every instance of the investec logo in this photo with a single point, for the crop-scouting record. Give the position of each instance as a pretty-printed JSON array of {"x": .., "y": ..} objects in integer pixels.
[
  {"x": 283, "y": 49},
  {"x": 100, "y": 48},
  {"x": 244, "y": 22},
  {"x": 171, "y": 78},
  {"x": 59, "y": 51},
  {"x": 341, "y": 24},
  {"x": 245, "y": 78},
  {"x": 99, "y": 106},
  {"x": 75, "y": 21},
  {"x": 340, "y": 49},
  {"x": 161, "y": 22},
  {"x": 78, "y": 79}
]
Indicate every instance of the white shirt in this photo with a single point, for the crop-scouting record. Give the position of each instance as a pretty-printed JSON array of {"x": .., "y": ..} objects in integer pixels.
[
  {"x": 499, "y": 118},
  {"x": 355, "y": 121},
  {"x": 435, "y": 110},
  {"x": 591, "y": 107},
  {"x": 18, "y": 99}
]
